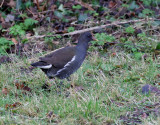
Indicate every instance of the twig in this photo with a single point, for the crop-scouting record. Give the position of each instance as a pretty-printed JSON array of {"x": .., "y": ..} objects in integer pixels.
[
  {"x": 94, "y": 28},
  {"x": 2, "y": 3},
  {"x": 43, "y": 12},
  {"x": 37, "y": 4},
  {"x": 30, "y": 11}
]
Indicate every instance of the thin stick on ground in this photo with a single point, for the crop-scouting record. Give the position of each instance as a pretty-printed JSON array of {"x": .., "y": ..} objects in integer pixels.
[
  {"x": 2, "y": 3},
  {"x": 96, "y": 27}
]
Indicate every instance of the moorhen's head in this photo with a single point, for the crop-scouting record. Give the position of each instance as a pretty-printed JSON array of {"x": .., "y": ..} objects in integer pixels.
[{"x": 86, "y": 37}]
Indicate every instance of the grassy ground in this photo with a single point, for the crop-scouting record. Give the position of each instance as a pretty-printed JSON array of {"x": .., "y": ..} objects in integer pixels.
[{"x": 103, "y": 91}]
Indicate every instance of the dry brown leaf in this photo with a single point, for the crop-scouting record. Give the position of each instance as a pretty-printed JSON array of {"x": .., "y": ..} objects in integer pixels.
[
  {"x": 50, "y": 115},
  {"x": 144, "y": 115},
  {"x": 111, "y": 4},
  {"x": 11, "y": 106},
  {"x": 23, "y": 87},
  {"x": 5, "y": 91},
  {"x": 12, "y": 3},
  {"x": 118, "y": 66},
  {"x": 2, "y": 19},
  {"x": 14, "y": 41},
  {"x": 79, "y": 88},
  {"x": 84, "y": 5}
]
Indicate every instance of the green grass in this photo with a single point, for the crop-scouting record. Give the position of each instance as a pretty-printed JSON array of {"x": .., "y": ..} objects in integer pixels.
[{"x": 105, "y": 93}]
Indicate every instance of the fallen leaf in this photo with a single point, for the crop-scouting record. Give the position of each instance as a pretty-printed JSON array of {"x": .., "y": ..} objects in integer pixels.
[
  {"x": 111, "y": 4},
  {"x": 118, "y": 66},
  {"x": 11, "y": 106},
  {"x": 86, "y": 5},
  {"x": 5, "y": 91},
  {"x": 78, "y": 88},
  {"x": 14, "y": 41},
  {"x": 9, "y": 18},
  {"x": 12, "y": 3},
  {"x": 4, "y": 59},
  {"x": 149, "y": 88},
  {"x": 23, "y": 87},
  {"x": 50, "y": 114},
  {"x": 1, "y": 18},
  {"x": 144, "y": 115}
]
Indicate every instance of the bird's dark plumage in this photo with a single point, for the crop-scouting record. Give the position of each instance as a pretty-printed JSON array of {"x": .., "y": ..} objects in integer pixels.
[{"x": 62, "y": 62}]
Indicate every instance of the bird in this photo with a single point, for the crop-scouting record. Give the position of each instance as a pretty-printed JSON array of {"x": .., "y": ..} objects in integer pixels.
[{"x": 63, "y": 62}]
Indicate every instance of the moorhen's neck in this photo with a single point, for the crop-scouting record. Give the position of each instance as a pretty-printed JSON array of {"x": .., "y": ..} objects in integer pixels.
[{"x": 83, "y": 44}]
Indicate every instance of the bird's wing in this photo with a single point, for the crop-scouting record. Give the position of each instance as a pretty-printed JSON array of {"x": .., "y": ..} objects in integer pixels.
[{"x": 59, "y": 58}]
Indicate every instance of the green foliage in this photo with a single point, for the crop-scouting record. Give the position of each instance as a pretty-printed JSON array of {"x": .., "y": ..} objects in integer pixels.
[
  {"x": 130, "y": 46},
  {"x": 130, "y": 30},
  {"x": 4, "y": 45},
  {"x": 23, "y": 5},
  {"x": 125, "y": 5},
  {"x": 147, "y": 2},
  {"x": 28, "y": 4},
  {"x": 70, "y": 29},
  {"x": 77, "y": 7},
  {"x": 82, "y": 17},
  {"x": 28, "y": 23},
  {"x": 158, "y": 46},
  {"x": 102, "y": 38},
  {"x": 49, "y": 40},
  {"x": 147, "y": 12},
  {"x": 19, "y": 29},
  {"x": 137, "y": 44},
  {"x": 142, "y": 35},
  {"x": 60, "y": 12},
  {"x": 133, "y": 5},
  {"x": 138, "y": 55}
]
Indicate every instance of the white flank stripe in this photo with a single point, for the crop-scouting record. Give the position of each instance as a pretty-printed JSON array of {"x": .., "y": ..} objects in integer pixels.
[
  {"x": 74, "y": 57},
  {"x": 45, "y": 67}
]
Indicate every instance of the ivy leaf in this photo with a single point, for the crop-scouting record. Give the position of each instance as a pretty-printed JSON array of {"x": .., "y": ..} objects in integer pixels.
[
  {"x": 158, "y": 46},
  {"x": 133, "y": 6},
  {"x": 58, "y": 14},
  {"x": 82, "y": 17},
  {"x": 138, "y": 55}
]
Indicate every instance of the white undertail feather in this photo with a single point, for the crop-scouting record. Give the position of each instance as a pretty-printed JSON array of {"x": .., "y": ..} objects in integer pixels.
[
  {"x": 45, "y": 67},
  {"x": 74, "y": 57}
]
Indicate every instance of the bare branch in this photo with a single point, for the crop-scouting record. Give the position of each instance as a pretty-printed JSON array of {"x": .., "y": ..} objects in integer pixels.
[
  {"x": 97, "y": 27},
  {"x": 2, "y": 3}
]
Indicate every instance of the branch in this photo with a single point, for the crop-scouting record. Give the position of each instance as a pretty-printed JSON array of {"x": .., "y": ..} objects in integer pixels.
[
  {"x": 2, "y": 4},
  {"x": 96, "y": 27}
]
